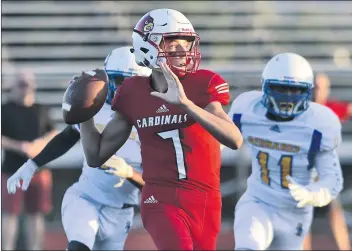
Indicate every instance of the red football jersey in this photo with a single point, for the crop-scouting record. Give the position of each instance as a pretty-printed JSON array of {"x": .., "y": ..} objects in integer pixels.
[
  {"x": 176, "y": 151},
  {"x": 339, "y": 108}
]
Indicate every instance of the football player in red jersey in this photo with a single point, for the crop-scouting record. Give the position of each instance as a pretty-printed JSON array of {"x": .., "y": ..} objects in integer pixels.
[{"x": 180, "y": 121}]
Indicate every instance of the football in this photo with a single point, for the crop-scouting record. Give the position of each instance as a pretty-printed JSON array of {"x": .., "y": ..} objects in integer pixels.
[{"x": 85, "y": 96}]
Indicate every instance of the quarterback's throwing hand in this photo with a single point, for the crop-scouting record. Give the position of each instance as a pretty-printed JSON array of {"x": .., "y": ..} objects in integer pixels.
[{"x": 175, "y": 93}]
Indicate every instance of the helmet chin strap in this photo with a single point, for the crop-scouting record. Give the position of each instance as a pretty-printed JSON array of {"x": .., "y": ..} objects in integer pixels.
[{"x": 276, "y": 117}]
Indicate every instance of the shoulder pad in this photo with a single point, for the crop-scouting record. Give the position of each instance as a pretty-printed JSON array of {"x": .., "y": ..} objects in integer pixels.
[
  {"x": 243, "y": 101},
  {"x": 328, "y": 124}
]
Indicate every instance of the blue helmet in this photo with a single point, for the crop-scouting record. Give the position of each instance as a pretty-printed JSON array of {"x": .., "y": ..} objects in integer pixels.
[
  {"x": 121, "y": 64},
  {"x": 287, "y": 83}
]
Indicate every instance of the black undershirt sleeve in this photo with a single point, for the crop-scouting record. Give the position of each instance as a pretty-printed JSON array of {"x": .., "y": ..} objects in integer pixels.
[
  {"x": 136, "y": 184},
  {"x": 58, "y": 146}
]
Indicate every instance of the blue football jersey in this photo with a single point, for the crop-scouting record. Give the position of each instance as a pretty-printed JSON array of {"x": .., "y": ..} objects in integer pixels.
[{"x": 281, "y": 148}]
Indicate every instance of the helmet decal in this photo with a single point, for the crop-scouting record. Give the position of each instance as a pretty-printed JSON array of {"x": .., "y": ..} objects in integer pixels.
[{"x": 146, "y": 24}]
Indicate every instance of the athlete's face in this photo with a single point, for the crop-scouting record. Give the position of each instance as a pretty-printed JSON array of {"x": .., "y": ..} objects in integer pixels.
[
  {"x": 290, "y": 92},
  {"x": 176, "y": 48}
]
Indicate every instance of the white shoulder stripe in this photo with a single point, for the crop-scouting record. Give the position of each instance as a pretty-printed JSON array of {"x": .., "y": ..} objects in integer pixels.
[
  {"x": 221, "y": 85},
  {"x": 223, "y": 88}
]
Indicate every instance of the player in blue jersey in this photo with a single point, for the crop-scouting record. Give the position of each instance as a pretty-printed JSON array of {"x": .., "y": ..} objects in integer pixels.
[
  {"x": 287, "y": 135},
  {"x": 97, "y": 211}
]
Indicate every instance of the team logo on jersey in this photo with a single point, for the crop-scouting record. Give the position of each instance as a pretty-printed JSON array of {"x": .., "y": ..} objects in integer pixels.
[
  {"x": 161, "y": 109},
  {"x": 275, "y": 128}
]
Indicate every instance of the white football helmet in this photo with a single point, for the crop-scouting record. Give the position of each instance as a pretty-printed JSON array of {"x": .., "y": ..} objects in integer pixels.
[
  {"x": 287, "y": 82},
  {"x": 153, "y": 28},
  {"x": 121, "y": 64}
]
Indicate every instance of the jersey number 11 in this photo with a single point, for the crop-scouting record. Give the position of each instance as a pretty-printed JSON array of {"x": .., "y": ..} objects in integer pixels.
[{"x": 285, "y": 164}]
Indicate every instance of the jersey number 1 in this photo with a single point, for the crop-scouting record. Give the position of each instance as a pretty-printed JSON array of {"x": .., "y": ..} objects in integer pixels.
[
  {"x": 174, "y": 135},
  {"x": 285, "y": 164}
]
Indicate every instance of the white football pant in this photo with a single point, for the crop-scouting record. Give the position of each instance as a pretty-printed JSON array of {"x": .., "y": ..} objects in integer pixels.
[
  {"x": 97, "y": 226},
  {"x": 260, "y": 226}
]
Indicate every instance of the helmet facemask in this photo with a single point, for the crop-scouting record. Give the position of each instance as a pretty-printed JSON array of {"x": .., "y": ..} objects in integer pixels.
[
  {"x": 189, "y": 56},
  {"x": 286, "y": 98},
  {"x": 115, "y": 80},
  {"x": 181, "y": 53}
]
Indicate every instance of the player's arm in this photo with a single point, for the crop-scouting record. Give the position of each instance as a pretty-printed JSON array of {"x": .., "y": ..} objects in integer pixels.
[
  {"x": 136, "y": 179},
  {"x": 330, "y": 181},
  {"x": 327, "y": 188},
  {"x": 327, "y": 163},
  {"x": 99, "y": 147},
  {"x": 119, "y": 167},
  {"x": 214, "y": 119},
  {"x": 58, "y": 146}
]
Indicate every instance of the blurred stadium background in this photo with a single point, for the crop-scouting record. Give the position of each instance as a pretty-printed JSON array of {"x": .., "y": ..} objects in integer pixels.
[{"x": 58, "y": 39}]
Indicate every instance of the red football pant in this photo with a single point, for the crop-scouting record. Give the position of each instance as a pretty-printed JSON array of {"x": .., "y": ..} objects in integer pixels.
[{"x": 180, "y": 219}]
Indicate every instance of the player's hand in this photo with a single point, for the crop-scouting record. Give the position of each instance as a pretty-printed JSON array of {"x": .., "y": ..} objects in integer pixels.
[
  {"x": 118, "y": 166},
  {"x": 299, "y": 192},
  {"x": 304, "y": 195},
  {"x": 24, "y": 174},
  {"x": 175, "y": 93}
]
